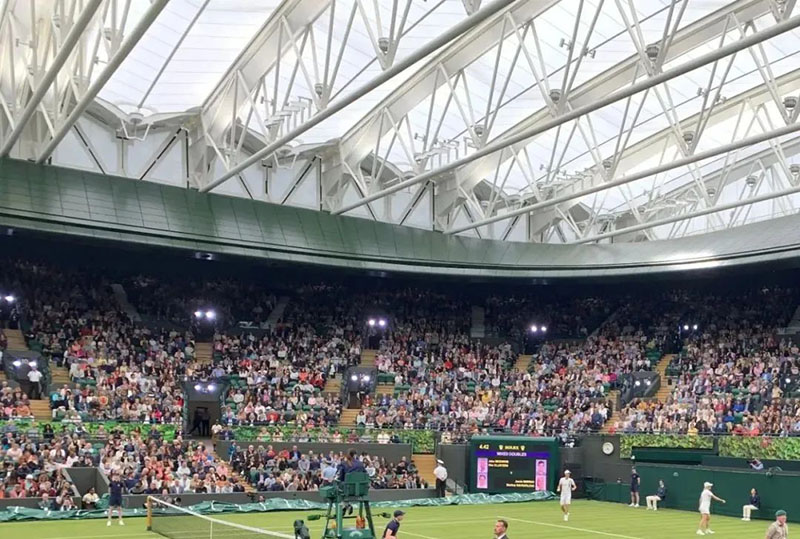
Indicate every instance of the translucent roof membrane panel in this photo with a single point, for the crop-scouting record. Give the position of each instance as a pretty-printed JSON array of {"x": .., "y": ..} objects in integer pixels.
[
  {"x": 185, "y": 53},
  {"x": 350, "y": 43}
]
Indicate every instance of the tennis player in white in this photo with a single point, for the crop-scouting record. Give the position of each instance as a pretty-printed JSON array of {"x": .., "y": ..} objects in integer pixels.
[
  {"x": 705, "y": 508},
  {"x": 565, "y": 486}
]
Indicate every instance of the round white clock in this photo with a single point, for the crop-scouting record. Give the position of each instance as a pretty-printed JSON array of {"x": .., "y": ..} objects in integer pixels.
[{"x": 608, "y": 448}]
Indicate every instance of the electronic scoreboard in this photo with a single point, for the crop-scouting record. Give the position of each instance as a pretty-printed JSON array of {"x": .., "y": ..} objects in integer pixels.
[{"x": 513, "y": 464}]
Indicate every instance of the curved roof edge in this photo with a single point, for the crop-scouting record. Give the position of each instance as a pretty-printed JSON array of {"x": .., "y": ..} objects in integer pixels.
[{"x": 66, "y": 201}]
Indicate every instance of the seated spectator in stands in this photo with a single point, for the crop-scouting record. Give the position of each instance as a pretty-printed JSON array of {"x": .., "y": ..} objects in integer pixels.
[
  {"x": 90, "y": 499},
  {"x": 46, "y": 504}
]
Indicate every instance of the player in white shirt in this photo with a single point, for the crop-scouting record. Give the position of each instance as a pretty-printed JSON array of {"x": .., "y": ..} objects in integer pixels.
[
  {"x": 705, "y": 508},
  {"x": 565, "y": 486}
]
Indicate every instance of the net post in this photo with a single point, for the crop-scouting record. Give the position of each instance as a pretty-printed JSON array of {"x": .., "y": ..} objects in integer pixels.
[{"x": 149, "y": 513}]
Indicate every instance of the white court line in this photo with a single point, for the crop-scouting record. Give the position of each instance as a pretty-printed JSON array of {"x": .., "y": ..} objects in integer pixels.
[{"x": 587, "y": 530}]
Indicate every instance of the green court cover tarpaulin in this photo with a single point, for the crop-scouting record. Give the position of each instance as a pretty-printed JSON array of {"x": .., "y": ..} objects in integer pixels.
[{"x": 275, "y": 504}]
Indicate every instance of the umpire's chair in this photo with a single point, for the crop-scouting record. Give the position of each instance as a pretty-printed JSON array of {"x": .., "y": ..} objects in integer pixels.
[{"x": 353, "y": 490}]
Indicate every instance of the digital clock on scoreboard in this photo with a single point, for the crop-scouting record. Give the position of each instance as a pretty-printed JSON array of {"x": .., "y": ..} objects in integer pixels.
[{"x": 512, "y": 464}]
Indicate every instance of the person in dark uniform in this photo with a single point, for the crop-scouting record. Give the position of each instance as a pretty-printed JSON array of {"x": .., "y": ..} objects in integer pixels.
[
  {"x": 115, "y": 488},
  {"x": 350, "y": 464},
  {"x": 635, "y": 483},
  {"x": 393, "y": 526}
]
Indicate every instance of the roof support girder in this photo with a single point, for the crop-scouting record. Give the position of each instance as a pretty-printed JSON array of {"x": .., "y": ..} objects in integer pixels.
[
  {"x": 577, "y": 112},
  {"x": 127, "y": 45}
]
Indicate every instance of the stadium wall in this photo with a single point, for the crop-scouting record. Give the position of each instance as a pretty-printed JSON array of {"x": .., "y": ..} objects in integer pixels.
[
  {"x": 599, "y": 466},
  {"x": 684, "y": 484},
  {"x": 456, "y": 460},
  {"x": 57, "y": 200}
]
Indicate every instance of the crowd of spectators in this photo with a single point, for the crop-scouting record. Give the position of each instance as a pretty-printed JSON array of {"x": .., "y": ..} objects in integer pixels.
[
  {"x": 34, "y": 467},
  {"x": 735, "y": 374},
  {"x": 291, "y": 470}
]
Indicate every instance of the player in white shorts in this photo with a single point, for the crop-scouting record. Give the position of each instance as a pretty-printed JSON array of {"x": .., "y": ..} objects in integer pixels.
[
  {"x": 705, "y": 508},
  {"x": 565, "y": 486}
]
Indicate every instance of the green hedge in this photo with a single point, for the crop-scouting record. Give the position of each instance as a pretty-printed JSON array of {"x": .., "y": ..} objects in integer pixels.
[
  {"x": 167, "y": 432},
  {"x": 421, "y": 441},
  {"x": 672, "y": 441},
  {"x": 760, "y": 447}
]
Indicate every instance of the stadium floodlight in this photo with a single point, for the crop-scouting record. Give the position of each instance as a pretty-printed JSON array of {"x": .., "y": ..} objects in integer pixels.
[
  {"x": 198, "y": 314},
  {"x": 354, "y": 378},
  {"x": 17, "y": 363},
  {"x": 371, "y": 322},
  {"x": 211, "y": 315},
  {"x": 382, "y": 323},
  {"x": 9, "y": 298},
  {"x": 534, "y": 329}
]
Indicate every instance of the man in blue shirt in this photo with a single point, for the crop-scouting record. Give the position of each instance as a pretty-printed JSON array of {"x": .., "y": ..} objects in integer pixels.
[
  {"x": 115, "y": 488},
  {"x": 393, "y": 526},
  {"x": 635, "y": 481}
]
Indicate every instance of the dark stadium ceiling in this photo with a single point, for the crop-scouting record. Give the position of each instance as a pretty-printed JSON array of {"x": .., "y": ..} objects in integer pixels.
[{"x": 564, "y": 121}]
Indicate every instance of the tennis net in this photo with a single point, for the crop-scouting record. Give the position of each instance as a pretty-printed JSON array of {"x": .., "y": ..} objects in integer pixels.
[{"x": 176, "y": 522}]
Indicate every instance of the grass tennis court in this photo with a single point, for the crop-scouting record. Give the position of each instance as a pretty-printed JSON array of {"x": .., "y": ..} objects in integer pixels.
[{"x": 539, "y": 520}]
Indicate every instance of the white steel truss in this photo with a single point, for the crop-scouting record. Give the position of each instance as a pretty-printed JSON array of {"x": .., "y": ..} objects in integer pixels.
[{"x": 567, "y": 121}]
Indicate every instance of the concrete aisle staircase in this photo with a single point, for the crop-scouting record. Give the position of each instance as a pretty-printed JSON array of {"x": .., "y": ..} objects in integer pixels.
[
  {"x": 40, "y": 407},
  {"x": 661, "y": 368},
  {"x": 348, "y": 417},
  {"x": 478, "y": 327},
  {"x": 122, "y": 299},
  {"x": 661, "y": 395},
  {"x": 248, "y": 488},
  {"x": 425, "y": 464},
  {"x": 615, "y": 415},
  {"x": 523, "y": 362},
  {"x": 277, "y": 311},
  {"x": 368, "y": 357},
  {"x": 204, "y": 352},
  {"x": 16, "y": 341},
  {"x": 332, "y": 385}
]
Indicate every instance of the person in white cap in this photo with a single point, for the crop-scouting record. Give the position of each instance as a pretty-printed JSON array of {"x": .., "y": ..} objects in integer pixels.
[
  {"x": 565, "y": 486},
  {"x": 705, "y": 508},
  {"x": 440, "y": 472}
]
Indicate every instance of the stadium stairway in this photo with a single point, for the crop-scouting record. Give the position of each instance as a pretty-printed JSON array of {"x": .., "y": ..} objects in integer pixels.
[
  {"x": 348, "y": 417},
  {"x": 16, "y": 341},
  {"x": 204, "y": 352},
  {"x": 332, "y": 385},
  {"x": 368, "y": 357},
  {"x": 277, "y": 312},
  {"x": 612, "y": 396},
  {"x": 41, "y": 410},
  {"x": 661, "y": 368},
  {"x": 384, "y": 389},
  {"x": 248, "y": 488},
  {"x": 425, "y": 464},
  {"x": 523, "y": 362},
  {"x": 478, "y": 327}
]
